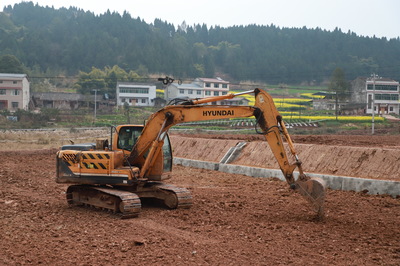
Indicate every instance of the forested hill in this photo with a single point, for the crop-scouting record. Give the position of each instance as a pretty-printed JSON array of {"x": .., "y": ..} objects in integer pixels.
[{"x": 70, "y": 40}]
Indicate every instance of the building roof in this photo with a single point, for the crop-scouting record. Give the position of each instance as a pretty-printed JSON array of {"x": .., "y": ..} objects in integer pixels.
[
  {"x": 13, "y": 76},
  {"x": 188, "y": 86},
  {"x": 133, "y": 84},
  {"x": 214, "y": 80},
  {"x": 369, "y": 79},
  {"x": 58, "y": 96}
]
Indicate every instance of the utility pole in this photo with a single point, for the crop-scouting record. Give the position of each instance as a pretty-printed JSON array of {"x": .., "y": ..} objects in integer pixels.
[
  {"x": 336, "y": 106},
  {"x": 95, "y": 104},
  {"x": 374, "y": 77}
]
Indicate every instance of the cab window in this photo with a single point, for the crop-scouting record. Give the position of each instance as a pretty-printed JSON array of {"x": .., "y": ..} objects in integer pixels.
[{"x": 128, "y": 136}]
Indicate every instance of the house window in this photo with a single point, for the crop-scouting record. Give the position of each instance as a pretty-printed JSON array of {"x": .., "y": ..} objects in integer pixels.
[
  {"x": 208, "y": 85},
  {"x": 190, "y": 91},
  {"x": 143, "y": 100},
  {"x": 224, "y": 93},
  {"x": 216, "y": 93},
  {"x": 2, "y": 92},
  {"x": 391, "y": 109},
  {"x": 15, "y": 92},
  {"x": 14, "y": 104},
  {"x": 199, "y": 92},
  {"x": 216, "y": 85},
  {"x": 380, "y": 87},
  {"x": 207, "y": 93},
  {"x": 225, "y": 86},
  {"x": 387, "y": 97},
  {"x": 181, "y": 91},
  {"x": 134, "y": 90}
]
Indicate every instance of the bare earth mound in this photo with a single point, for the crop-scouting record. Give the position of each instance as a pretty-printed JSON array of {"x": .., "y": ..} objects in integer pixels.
[
  {"x": 235, "y": 220},
  {"x": 363, "y": 160}
]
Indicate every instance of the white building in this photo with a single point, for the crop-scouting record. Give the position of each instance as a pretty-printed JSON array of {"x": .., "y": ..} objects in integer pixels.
[
  {"x": 135, "y": 94},
  {"x": 14, "y": 91},
  {"x": 199, "y": 88},
  {"x": 386, "y": 94}
]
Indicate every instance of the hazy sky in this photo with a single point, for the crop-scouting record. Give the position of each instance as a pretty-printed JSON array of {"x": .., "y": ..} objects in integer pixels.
[{"x": 364, "y": 17}]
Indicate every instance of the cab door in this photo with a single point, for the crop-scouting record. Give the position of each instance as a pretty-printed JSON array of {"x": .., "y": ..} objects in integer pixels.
[{"x": 167, "y": 154}]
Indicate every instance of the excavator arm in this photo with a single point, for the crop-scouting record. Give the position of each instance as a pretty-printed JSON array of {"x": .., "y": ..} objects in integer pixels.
[{"x": 268, "y": 119}]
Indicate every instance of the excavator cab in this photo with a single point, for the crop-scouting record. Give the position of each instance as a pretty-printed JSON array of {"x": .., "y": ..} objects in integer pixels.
[{"x": 126, "y": 137}]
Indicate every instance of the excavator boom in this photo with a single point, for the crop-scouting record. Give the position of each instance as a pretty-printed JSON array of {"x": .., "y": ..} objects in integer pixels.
[{"x": 268, "y": 119}]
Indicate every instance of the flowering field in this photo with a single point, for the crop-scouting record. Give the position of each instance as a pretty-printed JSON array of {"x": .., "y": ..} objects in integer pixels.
[
  {"x": 359, "y": 119},
  {"x": 311, "y": 95},
  {"x": 284, "y": 104}
]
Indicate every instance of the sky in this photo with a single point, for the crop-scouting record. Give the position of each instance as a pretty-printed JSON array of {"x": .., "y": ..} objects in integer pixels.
[{"x": 364, "y": 17}]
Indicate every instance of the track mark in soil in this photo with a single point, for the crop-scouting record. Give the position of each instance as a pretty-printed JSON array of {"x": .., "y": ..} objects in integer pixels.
[{"x": 179, "y": 233}]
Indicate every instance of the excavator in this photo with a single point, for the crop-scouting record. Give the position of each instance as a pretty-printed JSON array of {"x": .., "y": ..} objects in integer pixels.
[{"x": 116, "y": 175}]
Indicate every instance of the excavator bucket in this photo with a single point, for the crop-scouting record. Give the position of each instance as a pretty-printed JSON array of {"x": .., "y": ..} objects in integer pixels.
[{"x": 313, "y": 190}]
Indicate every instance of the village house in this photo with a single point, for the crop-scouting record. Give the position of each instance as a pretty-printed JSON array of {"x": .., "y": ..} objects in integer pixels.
[
  {"x": 384, "y": 96},
  {"x": 381, "y": 95},
  {"x": 65, "y": 101},
  {"x": 135, "y": 94},
  {"x": 199, "y": 88},
  {"x": 14, "y": 91}
]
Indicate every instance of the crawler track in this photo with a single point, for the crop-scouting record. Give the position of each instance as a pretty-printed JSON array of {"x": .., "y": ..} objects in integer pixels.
[
  {"x": 178, "y": 197},
  {"x": 124, "y": 203},
  {"x": 127, "y": 204}
]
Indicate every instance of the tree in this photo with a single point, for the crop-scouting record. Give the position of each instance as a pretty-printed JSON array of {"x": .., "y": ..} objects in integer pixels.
[
  {"x": 339, "y": 85},
  {"x": 10, "y": 64},
  {"x": 126, "y": 112},
  {"x": 90, "y": 81}
]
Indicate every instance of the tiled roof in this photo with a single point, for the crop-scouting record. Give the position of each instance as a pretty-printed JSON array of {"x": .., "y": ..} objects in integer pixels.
[{"x": 58, "y": 96}]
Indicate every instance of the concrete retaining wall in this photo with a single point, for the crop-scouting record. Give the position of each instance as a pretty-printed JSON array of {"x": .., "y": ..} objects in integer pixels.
[{"x": 370, "y": 186}]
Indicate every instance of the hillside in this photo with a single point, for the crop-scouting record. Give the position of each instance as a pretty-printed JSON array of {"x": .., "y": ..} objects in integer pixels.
[{"x": 70, "y": 40}]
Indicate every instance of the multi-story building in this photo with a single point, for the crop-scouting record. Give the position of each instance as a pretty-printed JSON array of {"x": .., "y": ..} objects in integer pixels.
[
  {"x": 14, "y": 91},
  {"x": 380, "y": 95},
  {"x": 199, "y": 88},
  {"x": 135, "y": 94}
]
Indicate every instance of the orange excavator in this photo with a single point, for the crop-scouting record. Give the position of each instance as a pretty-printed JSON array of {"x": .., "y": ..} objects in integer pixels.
[{"x": 116, "y": 175}]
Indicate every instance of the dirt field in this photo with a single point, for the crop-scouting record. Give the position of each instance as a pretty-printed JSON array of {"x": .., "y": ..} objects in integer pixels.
[{"x": 235, "y": 220}]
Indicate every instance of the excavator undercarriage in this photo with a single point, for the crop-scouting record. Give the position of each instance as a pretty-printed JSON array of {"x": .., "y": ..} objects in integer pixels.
[{"x": 126, "y": 203}]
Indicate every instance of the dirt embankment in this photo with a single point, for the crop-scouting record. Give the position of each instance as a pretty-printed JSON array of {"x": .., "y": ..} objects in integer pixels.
[
  {"x": 235, "y": 220},
  {"x": 357, "y": 161},
  {"x": 337, "y": 140}
]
